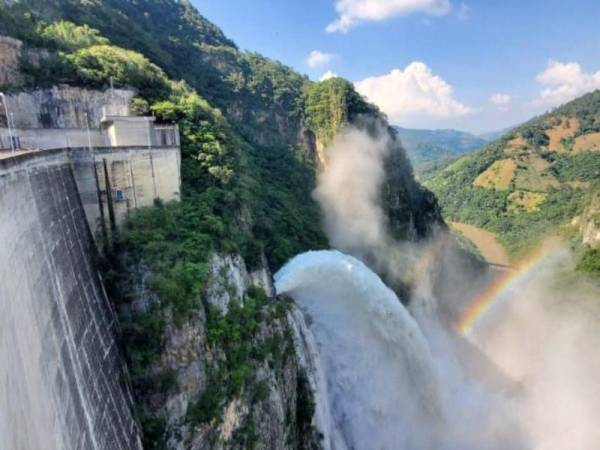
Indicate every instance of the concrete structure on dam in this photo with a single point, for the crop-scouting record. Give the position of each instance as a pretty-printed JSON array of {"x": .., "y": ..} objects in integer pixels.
[
  {"x": 122, "y": 163},
  {"x": 112, "y": 181}
]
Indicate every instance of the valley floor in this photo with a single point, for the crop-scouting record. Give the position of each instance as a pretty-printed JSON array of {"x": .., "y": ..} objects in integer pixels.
[{"x": 485, "y": 241}]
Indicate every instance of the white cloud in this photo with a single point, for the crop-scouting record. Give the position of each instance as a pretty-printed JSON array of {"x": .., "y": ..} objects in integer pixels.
[
  {"x": 327, "y": 75},
  {"x": 317, "y": 58},
  {"x": 412, "y": 95},
  {"x": 352, "y": 12},
  {"x": 562, "y": 82},
  {"x": 502, "y": 101}
]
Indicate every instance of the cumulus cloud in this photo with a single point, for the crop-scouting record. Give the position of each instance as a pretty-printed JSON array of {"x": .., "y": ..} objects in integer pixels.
[
  {"x": 317, "y": 58},
  {"x": 562, "y": 82},
  {"x": 502, "y": 101},
  {"x": 405, "y": 95},
  {"x": 327, "y": 75},
  {"x": 352, "y": 12}
]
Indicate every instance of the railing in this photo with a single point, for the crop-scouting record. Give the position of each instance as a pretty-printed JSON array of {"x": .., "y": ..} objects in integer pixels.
[
  {"x": 6, "y": 145},
  {"x": 115, "y": 110},
  {"x": 166, "y": 135},
  {"x": 162, "y": 136}
]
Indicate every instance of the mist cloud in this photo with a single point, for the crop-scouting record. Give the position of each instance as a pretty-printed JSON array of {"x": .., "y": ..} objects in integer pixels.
[{"x": 528, "y": 375}]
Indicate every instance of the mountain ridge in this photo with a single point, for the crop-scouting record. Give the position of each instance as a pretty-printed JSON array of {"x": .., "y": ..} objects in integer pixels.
[{"x": 540, "y": 178}]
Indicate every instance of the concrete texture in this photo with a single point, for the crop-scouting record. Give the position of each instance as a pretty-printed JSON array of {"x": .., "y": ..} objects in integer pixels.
[
  {"x": 49, "y": 138},
  {"x": 63, "y": 383},
  {"x": 124, "y": 131},
  {"x": 114, "y": 181}
]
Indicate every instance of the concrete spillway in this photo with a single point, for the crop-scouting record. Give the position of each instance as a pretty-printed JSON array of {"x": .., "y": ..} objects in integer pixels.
[{"x": 62, "y": 381}]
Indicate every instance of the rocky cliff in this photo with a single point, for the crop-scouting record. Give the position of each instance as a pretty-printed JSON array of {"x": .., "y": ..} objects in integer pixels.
[
  {"x": 66, "y": 107},
  {"x": 233, "y": 374}
]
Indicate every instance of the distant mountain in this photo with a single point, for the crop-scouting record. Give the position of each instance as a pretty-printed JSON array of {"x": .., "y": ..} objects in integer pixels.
[
  {"x": 493, "y": 135},
  {"x": 541, "y": 178},
  {"x": 430, "y": 150}
]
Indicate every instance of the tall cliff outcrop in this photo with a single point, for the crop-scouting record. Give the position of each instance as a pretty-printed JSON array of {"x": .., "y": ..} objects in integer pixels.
[{"x": 331, "y": 105}]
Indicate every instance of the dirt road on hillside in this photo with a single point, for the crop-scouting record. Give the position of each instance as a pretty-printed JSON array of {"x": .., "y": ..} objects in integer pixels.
[{"x": 486, "y": 243}]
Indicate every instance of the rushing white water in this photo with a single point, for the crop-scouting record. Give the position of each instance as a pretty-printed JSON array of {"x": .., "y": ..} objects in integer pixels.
[
  {"x": 377, "y": 382},
  {"x": 381, "y": 381}
]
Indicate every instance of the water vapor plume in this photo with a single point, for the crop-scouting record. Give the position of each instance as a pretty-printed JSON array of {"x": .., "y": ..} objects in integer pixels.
[
  {"x": 349, "y": 192},
  {"x": 386, "y": 389},
  {"x": 482, "y": 358},
  {"x": 378, "y": 369},
  {"x": 545, "y": 333}
]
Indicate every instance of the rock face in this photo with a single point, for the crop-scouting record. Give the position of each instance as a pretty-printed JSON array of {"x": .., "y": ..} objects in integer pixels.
[
  {"x": 66, "y": 107},
  {"x": 10, "y": 52},
  {"x": 273, "y": 409},
  {"x": 230, "y": 280},
  {"x": 590, "y": 223}
]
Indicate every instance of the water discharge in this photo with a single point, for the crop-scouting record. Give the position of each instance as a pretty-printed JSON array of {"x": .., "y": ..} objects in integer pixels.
[
  {"x": 384, "y": 387},
  {"x": 479, "y": 360}
]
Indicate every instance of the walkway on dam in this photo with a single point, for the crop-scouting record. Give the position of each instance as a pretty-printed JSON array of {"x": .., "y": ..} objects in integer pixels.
[{"x": 9, "y": 154}]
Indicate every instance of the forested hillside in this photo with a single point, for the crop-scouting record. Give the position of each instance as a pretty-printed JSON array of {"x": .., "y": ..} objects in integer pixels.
[
  {"x": 540, "y": 179},
  {"x": 253, "y": 136}
]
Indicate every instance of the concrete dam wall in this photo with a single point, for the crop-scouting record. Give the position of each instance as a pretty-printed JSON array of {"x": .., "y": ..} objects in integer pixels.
[{"x": 63, "y": 381}]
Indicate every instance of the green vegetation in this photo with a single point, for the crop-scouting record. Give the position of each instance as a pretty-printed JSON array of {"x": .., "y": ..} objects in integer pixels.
[
  {"x": 562, "y": 179},
  {"x": 69, "y": 37},
  {"x": 100, "y": 64},
  {"x": 535, "y": 134},
  {"x": 332, "y": 103},
  {"x": 237, "y": 335},
  {"x": 590, "y": 262},
  {"x": 491, "y": 209},
  {"x": 580, "y": 167}
]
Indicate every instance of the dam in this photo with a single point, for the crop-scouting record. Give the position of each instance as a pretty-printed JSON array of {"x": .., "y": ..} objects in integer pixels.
[
  {"x": 63, "y": 378},
  {"x": 65, "y": 383}
]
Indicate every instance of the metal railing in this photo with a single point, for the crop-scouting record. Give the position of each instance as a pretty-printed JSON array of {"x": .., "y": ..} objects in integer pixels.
[
  {"x": 166, "y": 135},
  {"x": 5, "y": 142}
]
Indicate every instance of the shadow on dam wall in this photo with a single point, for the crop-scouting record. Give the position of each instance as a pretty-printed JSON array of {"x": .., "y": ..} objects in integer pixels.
[{"x": 62, "y": 378}]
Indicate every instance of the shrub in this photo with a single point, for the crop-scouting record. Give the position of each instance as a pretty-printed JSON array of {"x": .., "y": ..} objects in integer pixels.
[
  {"x": 100, "y": 64},
  {"x": 69, "y": 37},
  {"x": 590, "y": 262}
]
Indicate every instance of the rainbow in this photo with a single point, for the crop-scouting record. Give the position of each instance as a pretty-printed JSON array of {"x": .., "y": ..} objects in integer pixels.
[{"x": 499, "y": 289}]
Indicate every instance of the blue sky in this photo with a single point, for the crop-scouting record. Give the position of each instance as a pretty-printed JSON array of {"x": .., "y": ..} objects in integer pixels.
[{"x": 474, "y": 65}]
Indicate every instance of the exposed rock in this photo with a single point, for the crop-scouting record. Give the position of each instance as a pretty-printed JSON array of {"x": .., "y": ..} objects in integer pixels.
[
  {"x": 272, "y": 410},
  {"x": 66, "y": 107},
  {"x": 10, "y": 54},
  {"x": 589, "y": 223},
  {"x": 230, "y": 280}
]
